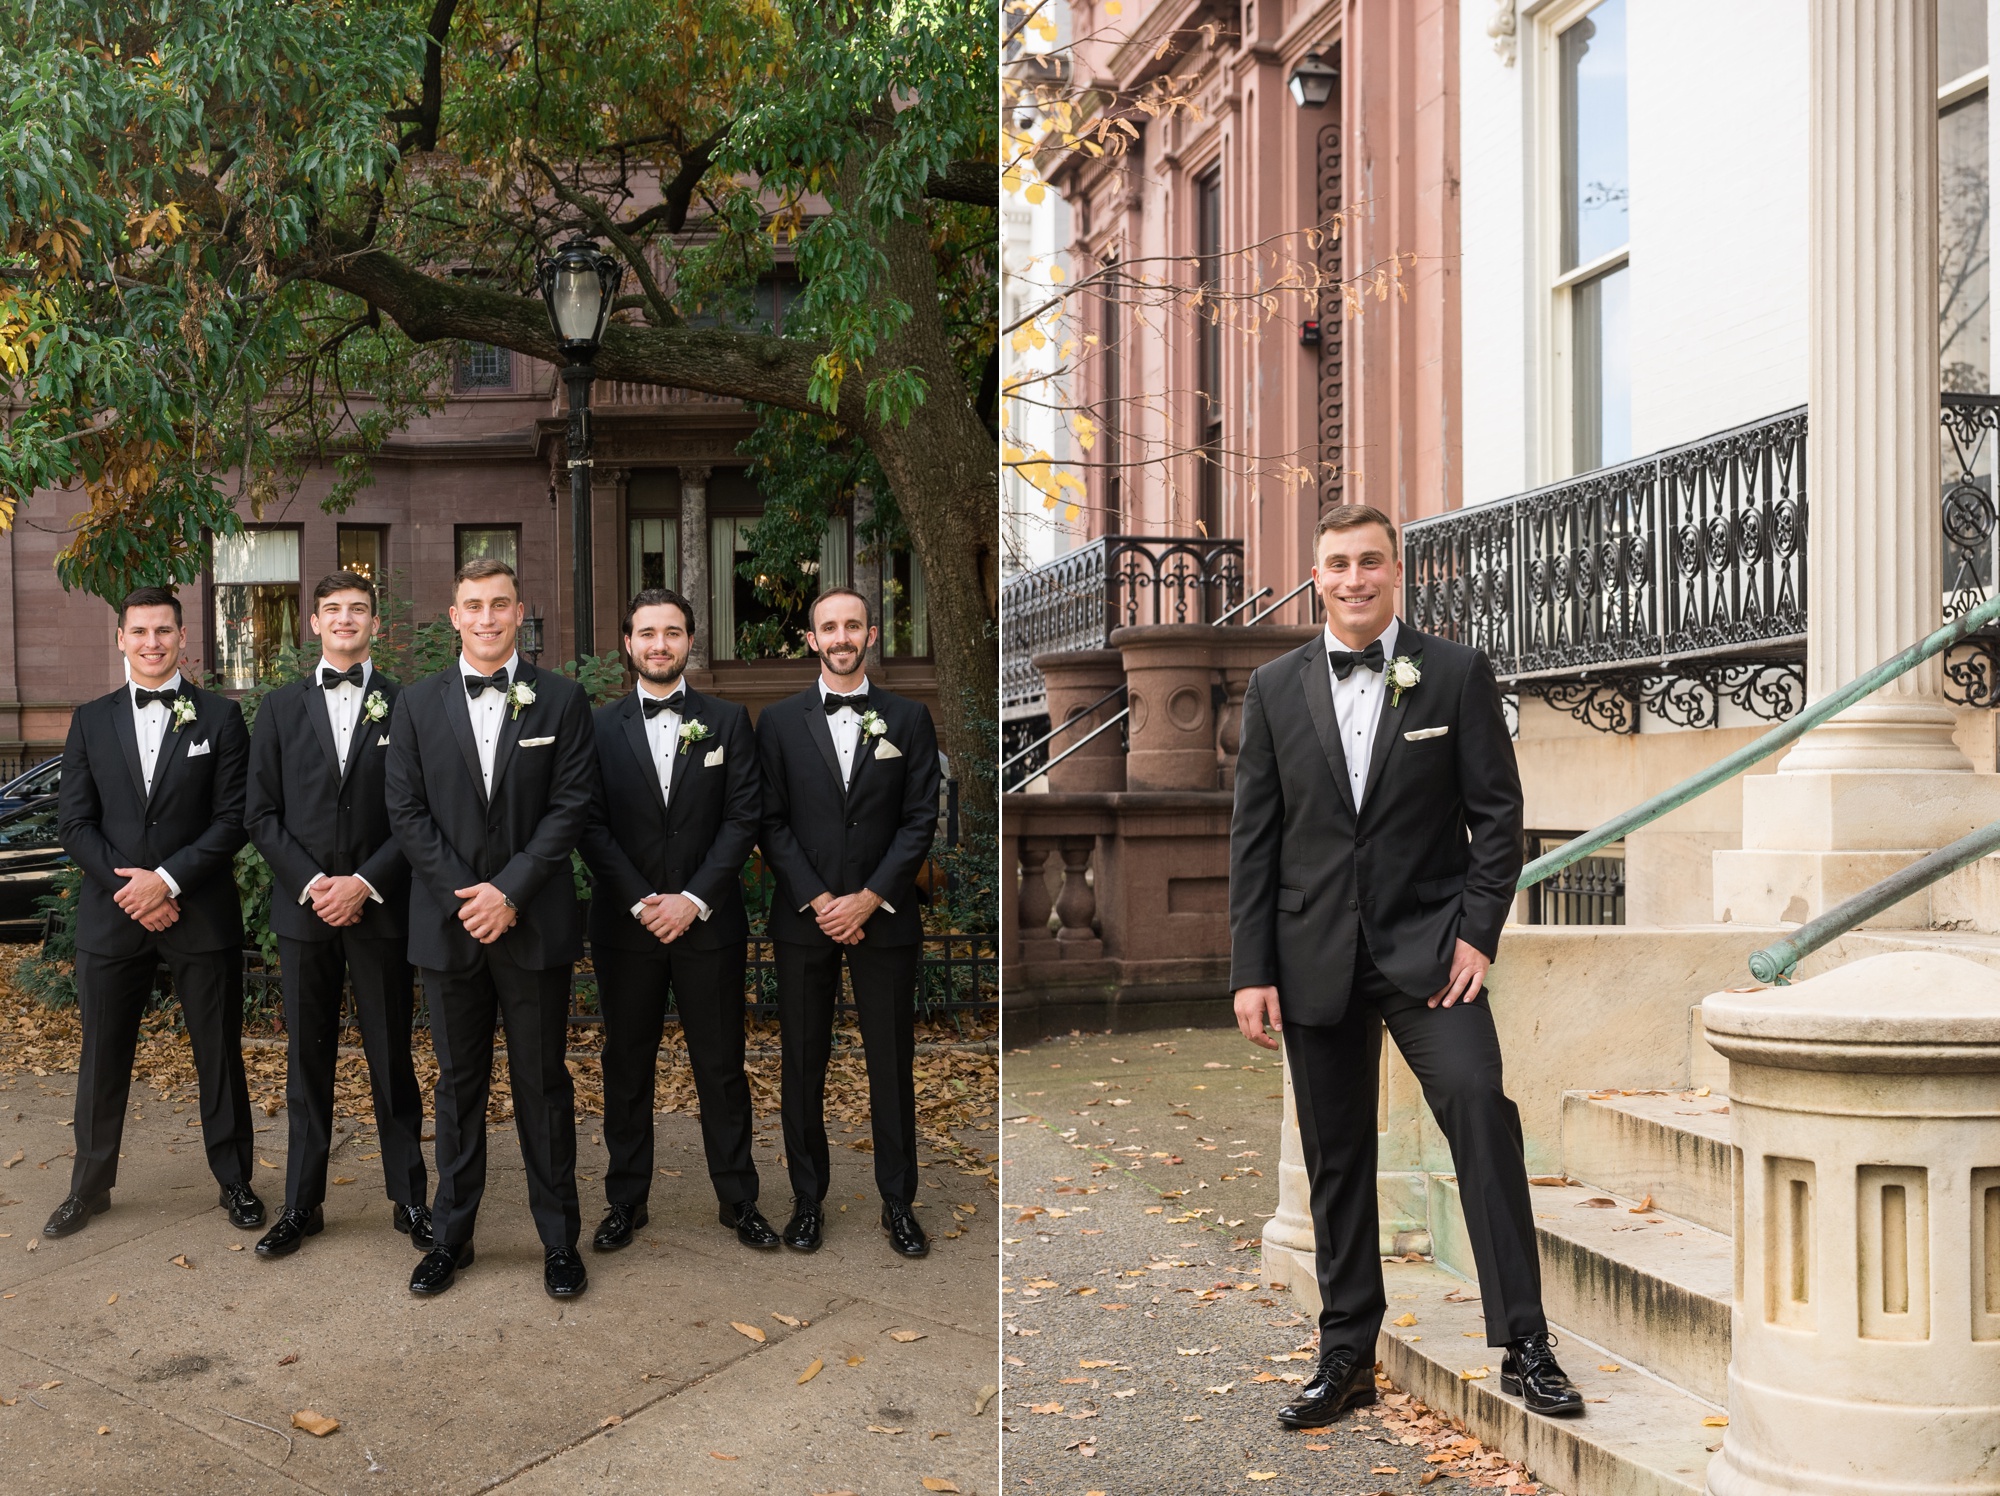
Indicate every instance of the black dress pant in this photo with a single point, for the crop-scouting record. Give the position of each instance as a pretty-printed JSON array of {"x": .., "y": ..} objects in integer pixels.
[
  {"x": 533, "y": 1007},
  {"x": 315, "y": 972},
  {"x": 1455, "y": 1055},
  {"x": 112, "y": 992},
  {"x": 707, "y": 986},
  {"x": 885, "y": 998}
]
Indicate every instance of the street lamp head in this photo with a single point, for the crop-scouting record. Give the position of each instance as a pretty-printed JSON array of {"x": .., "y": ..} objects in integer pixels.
[
  {"x": 579, "y": 282},
  {"x": 1312, "y": 81}
]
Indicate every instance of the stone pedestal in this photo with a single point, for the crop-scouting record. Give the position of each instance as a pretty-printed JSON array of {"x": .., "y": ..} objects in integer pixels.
[
  {"x": 1865, "y": 1106},
  {"x": 1075, "y": 680},
  {"x": 694, "y": 562},
  {"x": 1170, "y": 688}
]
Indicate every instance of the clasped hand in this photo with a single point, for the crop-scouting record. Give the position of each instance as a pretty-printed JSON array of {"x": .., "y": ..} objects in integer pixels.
[
  {"x": 842, "y": 918},
  {"x": 145, "y": 898},
  {"x": 338, "y": 900},
  {"x": 668, "y": 916},
  {"x": 485, "y": 913}
]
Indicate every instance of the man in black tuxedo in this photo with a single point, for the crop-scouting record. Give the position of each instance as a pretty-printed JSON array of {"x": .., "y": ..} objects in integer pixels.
[
  {"x": 1372, "y": 859},
  {"x": 850, "y": 810},
  {"x": 318, "y": 813},
  {"x": 675, "y": 820},
  {"x": 152, "y": 812},
  {"x": 490, "y": 779}
]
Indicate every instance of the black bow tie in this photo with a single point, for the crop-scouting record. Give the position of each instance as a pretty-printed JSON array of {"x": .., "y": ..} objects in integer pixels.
[
  {"x": 1344, "y": 660},
  {"x": 474, "y": 684},
  {"x": 353, "y": 675},
  {"x": 654, "y": 705},
  {"x": 166, "y": 696},
  {"x": 859, "y": 701}
]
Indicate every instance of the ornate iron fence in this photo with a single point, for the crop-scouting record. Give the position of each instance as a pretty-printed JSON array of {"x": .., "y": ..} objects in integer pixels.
[
  {"x": 1076, "y": 600},
  {"x": 1967, "y": 514},
  {"x": 1670, "y": 584}
]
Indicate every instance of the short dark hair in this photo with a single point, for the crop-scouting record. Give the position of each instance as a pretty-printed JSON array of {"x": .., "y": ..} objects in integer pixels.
[
  {"x": 150, "y": 597},
  {"x": 1353, "y": 517},
  {"x": 479, "y": 568},
  {"x": 654, "y": 597},
  {"x": 343, "y": 581},
  {"x": 867, "y": 613}
]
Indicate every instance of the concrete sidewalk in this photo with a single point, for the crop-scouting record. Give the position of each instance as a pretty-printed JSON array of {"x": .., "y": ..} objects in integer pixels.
[{"x": 123, "y": 1371}]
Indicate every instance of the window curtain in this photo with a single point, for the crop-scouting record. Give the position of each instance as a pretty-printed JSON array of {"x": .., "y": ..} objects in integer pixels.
[
  {"x": 257, "y": 556},
  {"x": 722, "y": 588},
  {"x": 834, "y": 568}
]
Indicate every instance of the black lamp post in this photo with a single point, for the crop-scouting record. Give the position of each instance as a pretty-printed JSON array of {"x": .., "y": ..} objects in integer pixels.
[
  {"x": 1312, "y": 81},
  {"x": 579, "y": 283}
]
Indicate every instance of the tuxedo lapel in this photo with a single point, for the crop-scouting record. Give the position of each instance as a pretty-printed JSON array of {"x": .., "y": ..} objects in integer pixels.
[
  {"x": 1318, "y": 683},
  {"x": 684, "y": 758},
  {"x": 640, "y": 738},
  {"x": 319, "y": 712},
  {"x": 358, "y": 742},
  {"x": 457, "y": 713},
  {"x": 1389, "y": 726},
  {"x": 128, "y": 737},
  {"x": 510, "y": 726},
  {"x": 823, "y": 736},
  {"x": 170, "y": 740}
]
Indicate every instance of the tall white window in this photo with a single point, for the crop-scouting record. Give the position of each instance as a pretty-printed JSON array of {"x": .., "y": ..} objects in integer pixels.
[
  {"x": 256, "y": 602},
  {"x": 655, "y": 544},
  {"x": 1593, "y": 275},
  {"x": 1964, "y": 199}
]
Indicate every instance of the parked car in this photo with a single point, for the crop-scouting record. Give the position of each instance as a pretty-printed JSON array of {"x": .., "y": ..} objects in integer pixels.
[
  {"x": 44, "y": 779},
  {"x": 30, "y": 855}
]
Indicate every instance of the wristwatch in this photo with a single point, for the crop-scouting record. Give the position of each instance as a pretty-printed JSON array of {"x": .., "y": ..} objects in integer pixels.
[{"x": 509, "y": 902}]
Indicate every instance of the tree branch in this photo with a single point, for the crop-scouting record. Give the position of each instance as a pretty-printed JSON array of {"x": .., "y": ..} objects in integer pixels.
[{"x": 663, "y": 311}]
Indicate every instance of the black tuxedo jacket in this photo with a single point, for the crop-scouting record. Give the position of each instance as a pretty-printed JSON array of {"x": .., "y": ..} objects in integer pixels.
[
  {"x": 693, "y": 842},
  {"x": 544, "y": 778},
  {"x": 820, "y": 837},
  {"x": 1429, "y": 859},
  {"x": 191, "y": 824},
  {"x": 307, "y": 817}
]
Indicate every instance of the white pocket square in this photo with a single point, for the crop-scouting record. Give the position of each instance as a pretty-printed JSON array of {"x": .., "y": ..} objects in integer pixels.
[
  {"x": 196, "y": 750},
  {"x": 535, "y": 742},
  {"x": 712, "y": 760},
  {"x": 1425, "y": 732},
  {"x": 382, "y": 742},
  {"x": 887, "y": 749}
]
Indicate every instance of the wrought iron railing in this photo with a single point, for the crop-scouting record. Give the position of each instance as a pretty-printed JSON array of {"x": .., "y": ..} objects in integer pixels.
[
  {"x": 1968, "y": 515},
  {"x": 1606, "y": 581},
  {"x": 1076, "y": 600},
  {"x": 1590, "y": 891}
]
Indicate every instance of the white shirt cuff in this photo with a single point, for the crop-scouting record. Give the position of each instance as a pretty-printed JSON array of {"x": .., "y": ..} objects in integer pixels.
[
  {"x": 636, "y": 908},
  {"x": 168, "y": 878},
  {"x": 888, "y": 906},
  {"x": 306, "y": 893},
  {"x": 371, "y": 889},
  {"x": 701, "y": 909}
]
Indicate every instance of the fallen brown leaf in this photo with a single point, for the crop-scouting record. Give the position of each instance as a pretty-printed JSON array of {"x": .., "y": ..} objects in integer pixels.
[
  {"x": 344, "y": 1179},
  {"x": 1406, "y": 1320},
  {"x": 750, "y": 1330},
  {"x": 876, "y": 1428},
  {"x": 19, "y": 1154},
  {"x": 986, "y": 1395},
  {"x": 290, "y": 1358},
  {"x": 1642, "y": 1207},
  {"x": 1598, "y": 1202},
  {"x": 904, "y": 1337},
  {"x": 938, "y": 1483},
  {"x": 1718, "y": 1420},
  {"x": 1263, "y": 1475},
  {"x": 103, "y": 1428},
  {"x": 786, "y": 1319},
  {"x": 112, "y": 1300},
  {"x": 611, "y": 1420},
  {"x": 810, "y": 1372},
  {"x": 316, "y": 1424},
  {"x": 48, "y": 1386},
  {"x": 713, "y": 1455},
  {"x": 181, "y": 1261}
]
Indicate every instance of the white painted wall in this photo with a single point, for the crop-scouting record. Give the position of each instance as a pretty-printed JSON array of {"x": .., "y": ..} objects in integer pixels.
[{"x": 1717, "y": 129}]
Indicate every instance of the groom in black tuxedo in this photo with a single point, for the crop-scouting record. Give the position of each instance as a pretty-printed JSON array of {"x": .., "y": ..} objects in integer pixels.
[
  {"x": 850, "y": 810},
  {"x": 318, "y": 813},
  {"x": 1372, "y": 860},
  {"x": 152, "y": 812},
  {"x": 491, "y": 773},
  {"x": 666, "y": 843}
]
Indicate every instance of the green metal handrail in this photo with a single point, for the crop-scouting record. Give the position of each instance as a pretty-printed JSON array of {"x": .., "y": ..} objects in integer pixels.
[
  {"x": 1776, "y": 962},
  {"x": 1778, "y": 737}
]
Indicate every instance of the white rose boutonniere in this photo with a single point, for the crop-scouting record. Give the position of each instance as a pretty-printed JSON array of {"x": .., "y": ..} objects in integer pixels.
[
  {"x": 692, "y": 733},
  {"x": 520, "y": 694},
  {"x": 376, "y": 707},
  {"x": 1403, "y": 676},
  {"x": 872, "y": 726},
  {"x": 184, "y": 710}
]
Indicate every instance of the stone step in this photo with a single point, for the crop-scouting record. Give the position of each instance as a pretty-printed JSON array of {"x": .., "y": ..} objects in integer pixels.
[
  {"x": 1653, "y": 1287},
  {"x": 1639, "y": 1436},
  {"x": 1671, "y": 1145}
]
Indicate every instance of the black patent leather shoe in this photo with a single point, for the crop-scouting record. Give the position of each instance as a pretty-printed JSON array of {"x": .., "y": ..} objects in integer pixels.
[
  {"x": 439, "y": 1268},
  {"x": 563, "y": 1274},
  {"x": 1529, "y": 1371},
  {"x": 905, "y": 1235},
  {"x": 290, "y": 1229},
  {"x": 748, "y": 1222},
  {"x": 616, "y": 1229},
  {"x": 74, "y": 1214},
  {"x": 414, "y": 1221},
  {"x": 1343, "y": 1381},
  {"x": 802, "y": 1231},
  {"x": 245, "y": 1209}
]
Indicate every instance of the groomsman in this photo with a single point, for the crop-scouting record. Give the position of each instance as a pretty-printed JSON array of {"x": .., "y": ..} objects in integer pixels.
[
  {"x": 850, "y": 810},
  {"x": 675, "y": 820},
  {"x": 152, "y": 812},
  {"x": 490, "y": 779},
  {"x": 318, "y": 813}
]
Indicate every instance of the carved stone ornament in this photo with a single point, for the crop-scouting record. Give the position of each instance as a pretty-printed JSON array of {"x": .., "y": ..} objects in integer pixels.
[{"x": 1500, "y": 26}]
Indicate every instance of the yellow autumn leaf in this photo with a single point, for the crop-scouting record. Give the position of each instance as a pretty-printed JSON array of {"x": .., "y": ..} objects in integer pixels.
[
  {"x": 750, "y": 1330},
  {"x": 810, "y": 1372},
  {"x": 938, "y": 1483},
  {"x": 316, "y": 1424},
  {"x": 1406, "y": 1320},
  {"x": 1719, "y": 1420},
  {"x": 1263, "y": 1475},
  {"x": 904, "y": 1337}
]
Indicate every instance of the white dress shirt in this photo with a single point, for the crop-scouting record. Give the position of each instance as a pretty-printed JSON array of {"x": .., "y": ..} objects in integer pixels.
[
  {"x": 489, "y": 713},
  {"x": 845, "y": 725},
  {"x": 663, "y": 731},
  {"x": 1357, "y": 705},
  {"x": 343, "y": 709},
  {"x": 150, "y": 722}
]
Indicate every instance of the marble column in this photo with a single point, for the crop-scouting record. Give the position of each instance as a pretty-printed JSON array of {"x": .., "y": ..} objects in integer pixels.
[
  {"x": 1871, "y": 790},
  {"x": 694, "y": 559}
]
